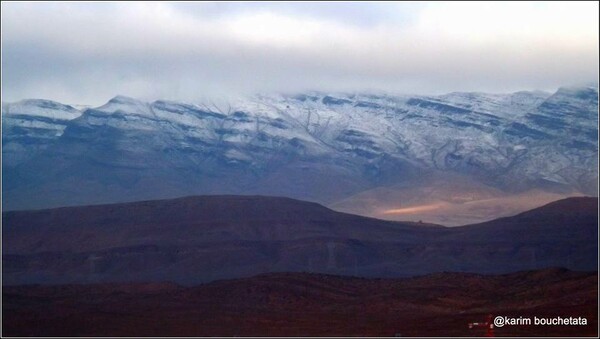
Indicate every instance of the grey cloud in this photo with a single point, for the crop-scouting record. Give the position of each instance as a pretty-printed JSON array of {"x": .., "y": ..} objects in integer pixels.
[{"x": 80, "y": 53}]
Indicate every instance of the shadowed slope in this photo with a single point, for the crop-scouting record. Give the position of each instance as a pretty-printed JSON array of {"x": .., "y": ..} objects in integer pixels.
[
  {"x": 199, "y": 239},
  {"x": 300, "y": 304}
]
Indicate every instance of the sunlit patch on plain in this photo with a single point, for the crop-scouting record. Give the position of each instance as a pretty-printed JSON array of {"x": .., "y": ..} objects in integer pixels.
[{"x": 414, "y": 209}]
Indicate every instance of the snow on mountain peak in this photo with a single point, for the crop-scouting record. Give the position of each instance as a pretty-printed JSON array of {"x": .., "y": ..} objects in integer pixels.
[
  {"x": 128, "y": 105},
  {"x": 41, "y": 108},
  {"x": 512, "y": 141}
]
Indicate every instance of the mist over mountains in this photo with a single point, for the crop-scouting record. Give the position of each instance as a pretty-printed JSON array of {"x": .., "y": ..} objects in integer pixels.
[
  {"x": 299, "y": 169},
  {"x": 359, "y": 153}
]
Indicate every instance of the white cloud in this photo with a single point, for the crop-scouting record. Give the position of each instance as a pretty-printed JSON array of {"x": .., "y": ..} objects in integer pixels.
[{"x": 78, "y": 52}]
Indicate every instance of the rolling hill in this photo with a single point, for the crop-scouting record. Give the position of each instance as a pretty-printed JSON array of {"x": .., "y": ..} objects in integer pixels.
[{"x": 198, "y": 239}]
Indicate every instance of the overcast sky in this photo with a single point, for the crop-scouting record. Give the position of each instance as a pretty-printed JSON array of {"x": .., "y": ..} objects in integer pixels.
[{"x": 86, "y": 53}]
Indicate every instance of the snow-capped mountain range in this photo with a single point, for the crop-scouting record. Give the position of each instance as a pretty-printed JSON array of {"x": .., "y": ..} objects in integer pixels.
[{"x": 312, "y": 146}]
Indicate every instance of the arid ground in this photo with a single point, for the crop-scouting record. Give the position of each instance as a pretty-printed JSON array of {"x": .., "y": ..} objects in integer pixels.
[{"x": 300, "y": 304}]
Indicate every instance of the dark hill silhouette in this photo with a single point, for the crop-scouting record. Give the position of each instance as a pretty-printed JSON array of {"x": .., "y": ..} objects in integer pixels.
[
  {"x": 198, "y": 239},
  {"x": 302, "y": 304}
]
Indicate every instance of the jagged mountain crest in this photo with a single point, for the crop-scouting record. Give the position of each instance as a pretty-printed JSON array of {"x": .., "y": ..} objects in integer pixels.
[{"x": 316, "y": 146}]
